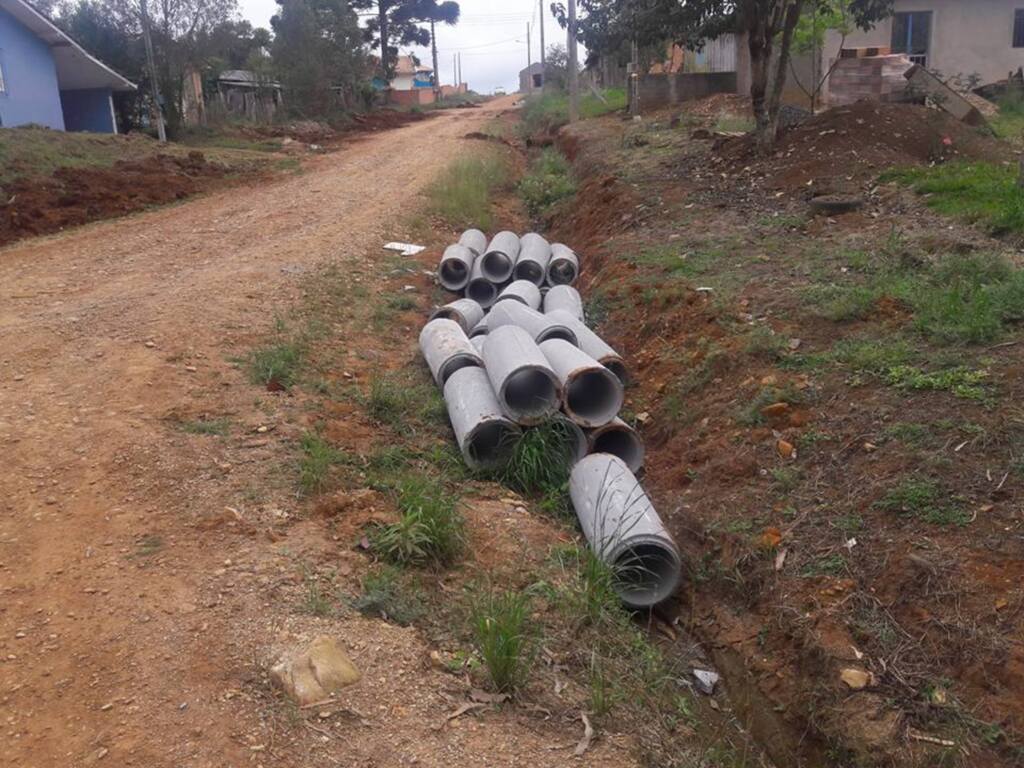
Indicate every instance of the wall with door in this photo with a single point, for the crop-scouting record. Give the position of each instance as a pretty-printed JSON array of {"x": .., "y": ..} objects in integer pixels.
[{"x": 960, "y": 37}]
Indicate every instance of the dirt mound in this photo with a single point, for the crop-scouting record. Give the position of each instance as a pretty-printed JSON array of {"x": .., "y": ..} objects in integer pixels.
[
  {"x": 73, "y": 196},
  {"x": 719, "y": 104},
  {"x": 860, "y": 140},
  {"x": 385, "y": 119}
]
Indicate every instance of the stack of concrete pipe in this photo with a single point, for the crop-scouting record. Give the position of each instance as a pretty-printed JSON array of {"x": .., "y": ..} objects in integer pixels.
[{"x": 515, "y": 352}]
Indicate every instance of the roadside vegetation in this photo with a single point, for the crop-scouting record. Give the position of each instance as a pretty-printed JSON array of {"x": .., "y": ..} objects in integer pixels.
[
  {"x": 547, "y": 182},
  {"x": 462, "y": 196},
  {"x": 547, "y": 112}
]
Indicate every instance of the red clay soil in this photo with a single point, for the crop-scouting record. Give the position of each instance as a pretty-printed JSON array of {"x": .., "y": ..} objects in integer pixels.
[
  {"x": 74, "y": 196},
  {"x": 859, "y": 140}
]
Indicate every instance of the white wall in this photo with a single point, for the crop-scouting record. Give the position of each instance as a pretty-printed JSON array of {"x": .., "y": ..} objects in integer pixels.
[{"x": 967, "y": 37}]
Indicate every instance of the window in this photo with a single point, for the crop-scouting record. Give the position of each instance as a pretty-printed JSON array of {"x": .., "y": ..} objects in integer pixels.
[
  {"x": 1018, "y": 28},
  {"x": 911, "y": 34}
]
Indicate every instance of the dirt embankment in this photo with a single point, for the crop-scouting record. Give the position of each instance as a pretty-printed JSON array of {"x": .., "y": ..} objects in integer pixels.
[{"x": 773, "y": 472}]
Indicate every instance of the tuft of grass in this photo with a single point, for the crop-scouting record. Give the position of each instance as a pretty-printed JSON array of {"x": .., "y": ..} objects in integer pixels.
[
  {"x": 317, "y": 460},
  {"x": 751, "y": 415},
  {"x": 548, "y": 181},
  {"x": 217, "y": 427},
  {"x": 149, "y": 545},
  {"x": 462, "y": 193},
  {"x": 315, "y": 601},
  {"x": 542, "y": 460},
  {"x": 734, "y": 124},
  {"x": 872, "y": 355},
  {"x": 1009, "y": 123},
  {"x": 960, "y": 381},
  {"x": 501, "y": 634},
  {"x": 844, "y": 303},
  {"x": 430, "y": 531},
  {"x": 546, "y": 113},
  {"x": 982, "y": 193},
  {"x": 389, "y": 399},
  {"x": 386, "y": 597},
  {"x": 830, "y": 565},
  {"x": 276, "y": 366},
  {"x": 923, "y": 499}
]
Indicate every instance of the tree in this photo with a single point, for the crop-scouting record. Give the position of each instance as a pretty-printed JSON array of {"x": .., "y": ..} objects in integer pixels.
[
  {"x": 809, "y": 40},
  {"x": 317, "y": 53},
  {"x": 435, "y": 13},
  {"x": 768, "y": 25},
  {"x": 396, "y": 24}
]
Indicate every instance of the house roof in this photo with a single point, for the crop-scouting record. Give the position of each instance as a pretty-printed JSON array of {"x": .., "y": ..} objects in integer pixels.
[
  {"x": 406, "y": 65},
  {"x": 76, "y": 68},
  {"x": 534, "y": 69},
  {"x": 246, "y": 78}
]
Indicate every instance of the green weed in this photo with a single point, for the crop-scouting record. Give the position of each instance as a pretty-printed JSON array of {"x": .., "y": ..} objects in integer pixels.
[
  {"x": 276, "y": 366},
  {"x": 385, "y": 596},
  {"x": 389, "y": 399},
  {"x": 217, "y": 427},
  {"x": 317, "y": 460},
  {"x": 548, "y": 181},
  {"x": 430, "y": 531},
  {"x": 872, "y": 355},
  {"x": 751, "y": 415},
  {"x": 501, "y": 633},
  {"x": 924, "y": 500},
  {"x": 315, "y": 601},
  {"x": 462, "y": 193},
  {"x": 830, "y": 565},
  {"x": 961, "y": 381},
  {"x": 542, "y": 459}
]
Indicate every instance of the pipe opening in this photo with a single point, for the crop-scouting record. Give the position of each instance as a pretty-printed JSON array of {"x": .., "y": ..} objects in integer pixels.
[
  {"x": 512, "y": 297},
  {"x": 496, "y": 266},
  {"x": 479, "y": 330},
  {"x": 482, "y": 292},
  {"x": 618, "y": 368},
  {"x": 492, "y": 443},
  {"x": 561, "y": 273},
  {"x": 454, "y": 272},
  {"x": 594, "y": 396},
  {"x": 529, "y": 270},
  {"x": 558, "y": 332},
  {"x": 622, "y": 443},
  {"x": 646, "y": 574},
  {"x": 529, "y": 393},
  {"x": 455, "y": 363}
]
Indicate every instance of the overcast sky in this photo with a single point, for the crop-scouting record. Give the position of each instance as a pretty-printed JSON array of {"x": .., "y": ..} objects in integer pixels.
[{"x": 490, "y": 35}]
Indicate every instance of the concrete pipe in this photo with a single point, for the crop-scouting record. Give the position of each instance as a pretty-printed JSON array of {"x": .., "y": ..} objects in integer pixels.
[
  {"x": 485, "y": 436},
  {"x": 580, "y": 442},
  {"x": 480, "y": 289},
  {"x": 526, "y": 386},
  {"x": 540, "y": 327},
  {"x": 534, "y": 256},
  {"x": 564, "y": 267},
  {"x": 618, "y": 439},
  {"x": 465, "y": 312},
  {"x": 447, "y": 349},
  {"x": 591, "y": 394},
  {"x": 624, "y": 530},
  {"x": 475, "y": 240},
  {"x": 499, "y": 260},
  {"x": 480, "y": 329},
  {"x": 456, "y": 263},
  {"x": 478, "y": 344},
  {"x": 591, "y": 343},
  {"x": 522, "y": 291},
  {"x": 565, "y": 298}
]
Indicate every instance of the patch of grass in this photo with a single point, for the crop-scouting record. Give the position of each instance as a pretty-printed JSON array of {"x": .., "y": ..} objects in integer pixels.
[
  {"x": 385, "y": 596},
  {"x": 679, "y": 261},
  {"x": 764, "y": 343},
  {"x": 830, "y": 565},
  {"x": 844, "y": 303},
  {"x": 317, "y": 460},
  {"x": 961, "y": 381},
  {"x": 277, "y": 365},
  {"x": 785, "y": 479},
  {"x": 315, "y": 601},
  {"x": 734, "y": 124},
  {"x": 925, "y": 500},
  {"x": 149, "y": 545},
  {"x": 872, "y": 355},
  {"x": 542, "y": 459},
  {"x": 982, "y": 193},
  {"x": 389, "y": 399},
  {"x": 1009, "y": 123},
  {"x": 751, "y": 415},
  {"x": 548, "y": 181},
  {"x": 502, "y": 636},
  {"x": 907, "y": 432},
  {"x": 462, "y": 193},
  {"x": 847, "y": 524},
  {"x": 546, "y": 113},
  {"x": 431, "y": 529},
  {"x": 217, "y": 427}
]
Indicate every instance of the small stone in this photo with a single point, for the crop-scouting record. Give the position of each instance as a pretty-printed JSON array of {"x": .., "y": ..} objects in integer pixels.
[
  {"x": 150, "y": 344},
  {"x": 870, "y": 447},
  {"x": 774, "y": 410},
  {"x": 19, "y": 377},
  {"x": 786, "y": 449},
  {"x": 314, "y": 674},
  {"x": 706, "y": 681},
  {"x": 436, "y": 661},
  {"x": 191, "y": 368},
  {"x": 794, "y": 344},
  {"x": 856, "y": 679},
  {"x": 106, "y": 707},
  {"x": 261, "y": 429}
]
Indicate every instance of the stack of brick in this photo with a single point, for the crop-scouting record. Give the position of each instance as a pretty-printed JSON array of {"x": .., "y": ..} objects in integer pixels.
[{"x": 875, "y": 74}]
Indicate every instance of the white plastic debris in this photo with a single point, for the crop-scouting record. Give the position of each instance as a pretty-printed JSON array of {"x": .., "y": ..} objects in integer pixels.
[{"x": 405, "y": 249}]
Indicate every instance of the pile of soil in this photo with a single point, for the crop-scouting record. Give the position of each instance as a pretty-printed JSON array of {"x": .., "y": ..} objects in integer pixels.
[
  {"x": 385, "y": 119},
  {"x": 74, "y": 196},
  {"x": 858, "y": 142}
]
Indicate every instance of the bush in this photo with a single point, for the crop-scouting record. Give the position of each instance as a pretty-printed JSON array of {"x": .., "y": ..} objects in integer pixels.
[
  {"x": 548, "y": 181},
  {"x": 500, "y": 632},
  {"x": 431, "y": 530}
]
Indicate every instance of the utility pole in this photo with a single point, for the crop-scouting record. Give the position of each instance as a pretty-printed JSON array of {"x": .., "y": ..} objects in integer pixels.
[
  {"x": 634, "y": 75},
  {"x": 433, "y": 51},
  {"x": 455, "y": 72},
  {"x": 574, "y": 75},
  {"x": 529, "y": 60},
  {"x": 460, "y": 67},
  {"x": 385, "y": 54},
  {"x": 543, "y": 55},
  {"x": 161, "y": 130}
]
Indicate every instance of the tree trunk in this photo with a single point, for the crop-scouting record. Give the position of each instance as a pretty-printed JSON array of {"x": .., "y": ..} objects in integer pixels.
[
  {"x": 778, "y": 72},
  {"x": 768, "y": 77},
  {"x": 759, "y": 42},
  {"x": 385, "y": 55}
]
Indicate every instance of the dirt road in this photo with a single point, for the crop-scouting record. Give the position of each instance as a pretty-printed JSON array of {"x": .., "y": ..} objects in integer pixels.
[{"x": 124, "y": 603}]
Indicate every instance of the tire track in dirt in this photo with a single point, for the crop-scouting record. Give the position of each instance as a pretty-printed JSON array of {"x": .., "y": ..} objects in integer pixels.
[{"x": 106, "y": 333}]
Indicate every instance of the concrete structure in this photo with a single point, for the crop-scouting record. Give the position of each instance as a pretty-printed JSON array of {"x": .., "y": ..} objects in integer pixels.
[
  {"x": 534, "y": 256},
  {"x": 475, "y": 240},
  {"x": 466, "y": 312},
  {"x": 591, "y": 343},
  {"x": 564, "y": 298},
  {"x": 877, "y": 78},
  {"x": 540, "y": 327},
  {"x": 412, "y": 84},
  {"x": 624, "y": 530},
  {"x": 247, "y": 94},
  {"x": 485, "y": 436},
  {"x": 480, "y": 289},
  {"x": 456, "y": 264},
  {"x": 47, "y": 79},
  {"x": 521, "y": 376},
  {"x": 564, "y": 267},
  {"x": 447, "y": 349},
  {"x": 591, "y": 394},
  {"x": 532, "y": 78},
  {"x": 500, "y": 257},
  {"x": 523, "y": 291},
  {"x": 618, "y": 439}
]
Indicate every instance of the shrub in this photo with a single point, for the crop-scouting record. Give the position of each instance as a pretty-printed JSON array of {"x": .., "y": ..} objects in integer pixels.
[{"x": 430, "y": 531}]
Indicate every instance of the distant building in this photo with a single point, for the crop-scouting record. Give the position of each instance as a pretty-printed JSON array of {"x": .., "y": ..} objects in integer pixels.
[
  {"x": 48, "y": 79},
  {"x": 412, "y": 84},
  {"x": 532, "y": 78},
  {"x": 247, "y": 94}
]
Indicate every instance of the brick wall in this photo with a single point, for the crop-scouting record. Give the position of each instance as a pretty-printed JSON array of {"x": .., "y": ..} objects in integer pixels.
[
  {"x": 875, "y": 78},
  {"x": 415, "y": 97}
]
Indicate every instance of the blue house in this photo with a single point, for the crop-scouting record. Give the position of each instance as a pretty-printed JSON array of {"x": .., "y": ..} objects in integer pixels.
[{"x": 46, "y": 78}]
